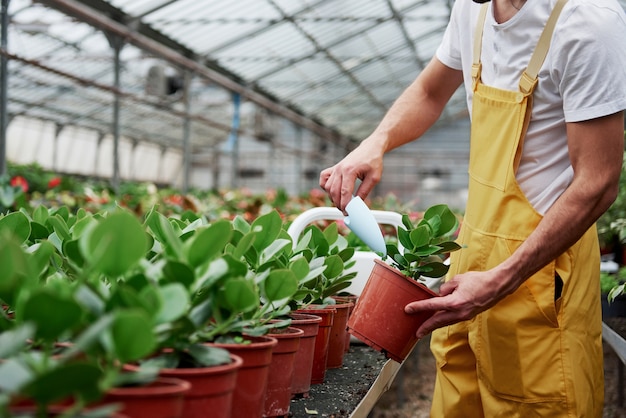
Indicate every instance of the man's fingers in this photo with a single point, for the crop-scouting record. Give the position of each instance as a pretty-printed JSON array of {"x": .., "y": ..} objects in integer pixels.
[
  {"x": 438, "y": 320},
  {"x": 432, "y": 304}
]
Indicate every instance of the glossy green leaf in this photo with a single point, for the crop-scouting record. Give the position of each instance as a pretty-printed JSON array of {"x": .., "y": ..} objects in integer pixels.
[
  {"x": 334, "y": 266},
  {"x": 239, "y": 295},
  {"x": 14, "y": 268},
  {"x": 420, "y": 237},
  {"x": 132, "y": 335},
  {"x": 40, "y": 215},
  {"x": 38, "y": 232},
  {"x": 52, "y": 314},
  {"x": 174, "y": 303},
  {"x": 164, "y": 233},
  {"x": 60, "y": 227},
  {"x": 79, "y": 379},
  {"x": 177, "y": 272},
  {"x": 274, "y": 249},
  {"x": 208, "y": 355},
  {"x": 17, "y": 224},
  {"x": 267, "y": 228},
  {"x": 448, "y": 222},
  {"x": 280, "y": 284},
  {"x": 299, "y": 267},
  {"x": 209, "y": 242},
  {"x": 116, "y": 244}
]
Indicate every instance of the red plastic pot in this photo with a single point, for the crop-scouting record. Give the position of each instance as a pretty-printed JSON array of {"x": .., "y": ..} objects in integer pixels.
[
  {"x": 163, "y": 398},
  {"x": 303, "y": 363},
  {"x": 278, "y": 393},
  {"x": 379, "y": 320},
  {"x": 318, "y": 371},
  {"x": 344, "y": 299},
  {"x": 337, "y": 339},
  {"x": 249, "y": 394},
  {"x": 211, "y": 388}
]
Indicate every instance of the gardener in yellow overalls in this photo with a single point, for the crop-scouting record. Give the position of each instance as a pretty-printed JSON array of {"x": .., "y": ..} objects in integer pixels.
[{"x": 518, "y": 326}]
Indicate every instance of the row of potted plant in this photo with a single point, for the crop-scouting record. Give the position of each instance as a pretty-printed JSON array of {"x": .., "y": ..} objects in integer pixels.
[{"x": 93, "y": 302}]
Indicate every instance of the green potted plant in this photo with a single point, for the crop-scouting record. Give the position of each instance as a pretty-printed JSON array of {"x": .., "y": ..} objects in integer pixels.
[{"x": 378, "y": 319}]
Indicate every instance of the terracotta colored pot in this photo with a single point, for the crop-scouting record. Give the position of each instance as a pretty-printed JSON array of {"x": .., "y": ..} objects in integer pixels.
[
  {"x": 278, "y": 394},
  {"x": 249, "y": 395},
  {"x": 163, "y": 398},
  {"x": 344, "y": 299},
  {"x": 318, "y": 371},
  {"x": 211, "y": 390},
  {"x": 379, "y": 320},
  {"x": 337, "y": 339},
  {"x": 303, "y": 363}
]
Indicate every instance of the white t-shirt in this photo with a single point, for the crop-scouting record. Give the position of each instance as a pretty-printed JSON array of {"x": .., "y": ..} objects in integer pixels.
[{"x": 583, "y": 76}]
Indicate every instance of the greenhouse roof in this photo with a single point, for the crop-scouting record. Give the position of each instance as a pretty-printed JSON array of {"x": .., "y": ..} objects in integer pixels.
[{"x": 334, "y": 67}]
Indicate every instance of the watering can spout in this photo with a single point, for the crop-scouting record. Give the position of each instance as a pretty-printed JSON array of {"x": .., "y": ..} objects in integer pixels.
[{"x": 362, "y": 222}]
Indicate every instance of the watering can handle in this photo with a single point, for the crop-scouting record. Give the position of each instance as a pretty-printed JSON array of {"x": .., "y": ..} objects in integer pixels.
[{"x": 383, "y": 217}]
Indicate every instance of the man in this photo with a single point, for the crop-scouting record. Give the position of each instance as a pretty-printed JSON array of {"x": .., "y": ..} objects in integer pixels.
[{"x": 518, "y": 323}]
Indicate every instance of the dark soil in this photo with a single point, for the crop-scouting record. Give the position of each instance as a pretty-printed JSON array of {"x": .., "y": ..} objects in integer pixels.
[{"x": 343, "y": 388}]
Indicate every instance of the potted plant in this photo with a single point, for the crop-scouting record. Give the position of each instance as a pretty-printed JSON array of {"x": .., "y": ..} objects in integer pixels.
[{"x": 378, "y": 319}]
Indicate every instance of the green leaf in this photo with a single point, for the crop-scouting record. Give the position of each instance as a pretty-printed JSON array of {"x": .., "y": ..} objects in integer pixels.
[
  {"x": 164, "y": 233},
  {"x": 176, "y": 272},
  {"x": 404, "y": 238},
  {"x": 420, "y": 237},
  {"x": 14, "y": 269},
  {"x": 208, "y": 355},
  {"x": 37, "y": 232},
  {"x": 272, "y": 250},
  {"x": 299, "y": 267},
  {"x": 209, "y": 242},
  {"x": 406, "y": 221},
  {"x": 280, "y": 284},
  {"x": 449, "y": 223},
  {"x": 334, "y": 266},
  {"x": 132, "y": 335},
  {"x": 239, "y": 295},
  {"x": 267, "y": 228},
  {"x": 60, "y": 227},
  {"x": 174, "y": 303},
  {"x": 17, "y": 224},
  {"x": 331, "y": 233},
  {"x": 116, "y": 244},
  {"x": 41, "y": 254},
  {"x": 448, "y": 247},
  {"x": 40, "y": 215},
  {"x": 82, "y": 379},
  {"x": 240, "y": 224},
  {"x": 52, "y": 314},
  {"x": 435, "y": 270}
]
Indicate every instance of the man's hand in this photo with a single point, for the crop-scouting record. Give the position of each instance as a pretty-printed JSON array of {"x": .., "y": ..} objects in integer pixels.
[
  {"x": 462, "y": 298},
  {"x": 365, "y": 162}
]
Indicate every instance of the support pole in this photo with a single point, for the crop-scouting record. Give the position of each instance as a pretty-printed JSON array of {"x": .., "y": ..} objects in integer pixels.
[
  {"x": 4, "y": 84},
  {"x": 117, "y": 44},
  {"x": 187, "y": 132},
  {"x": 233, "y": 140}
]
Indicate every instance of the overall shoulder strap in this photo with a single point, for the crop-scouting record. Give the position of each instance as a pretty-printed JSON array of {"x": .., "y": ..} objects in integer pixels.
[
  {"x": 478, "y": 41},
  {"x": 528, "y": 81}
]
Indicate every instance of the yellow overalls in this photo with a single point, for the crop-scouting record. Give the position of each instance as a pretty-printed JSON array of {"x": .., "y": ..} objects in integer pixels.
[{"x": 538, "y": 352}]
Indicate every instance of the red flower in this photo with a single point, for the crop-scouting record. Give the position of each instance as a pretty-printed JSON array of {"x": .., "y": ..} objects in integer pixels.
[
  {"x": 19, "y": 181},
  {"x": 54, "y": 182}
]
